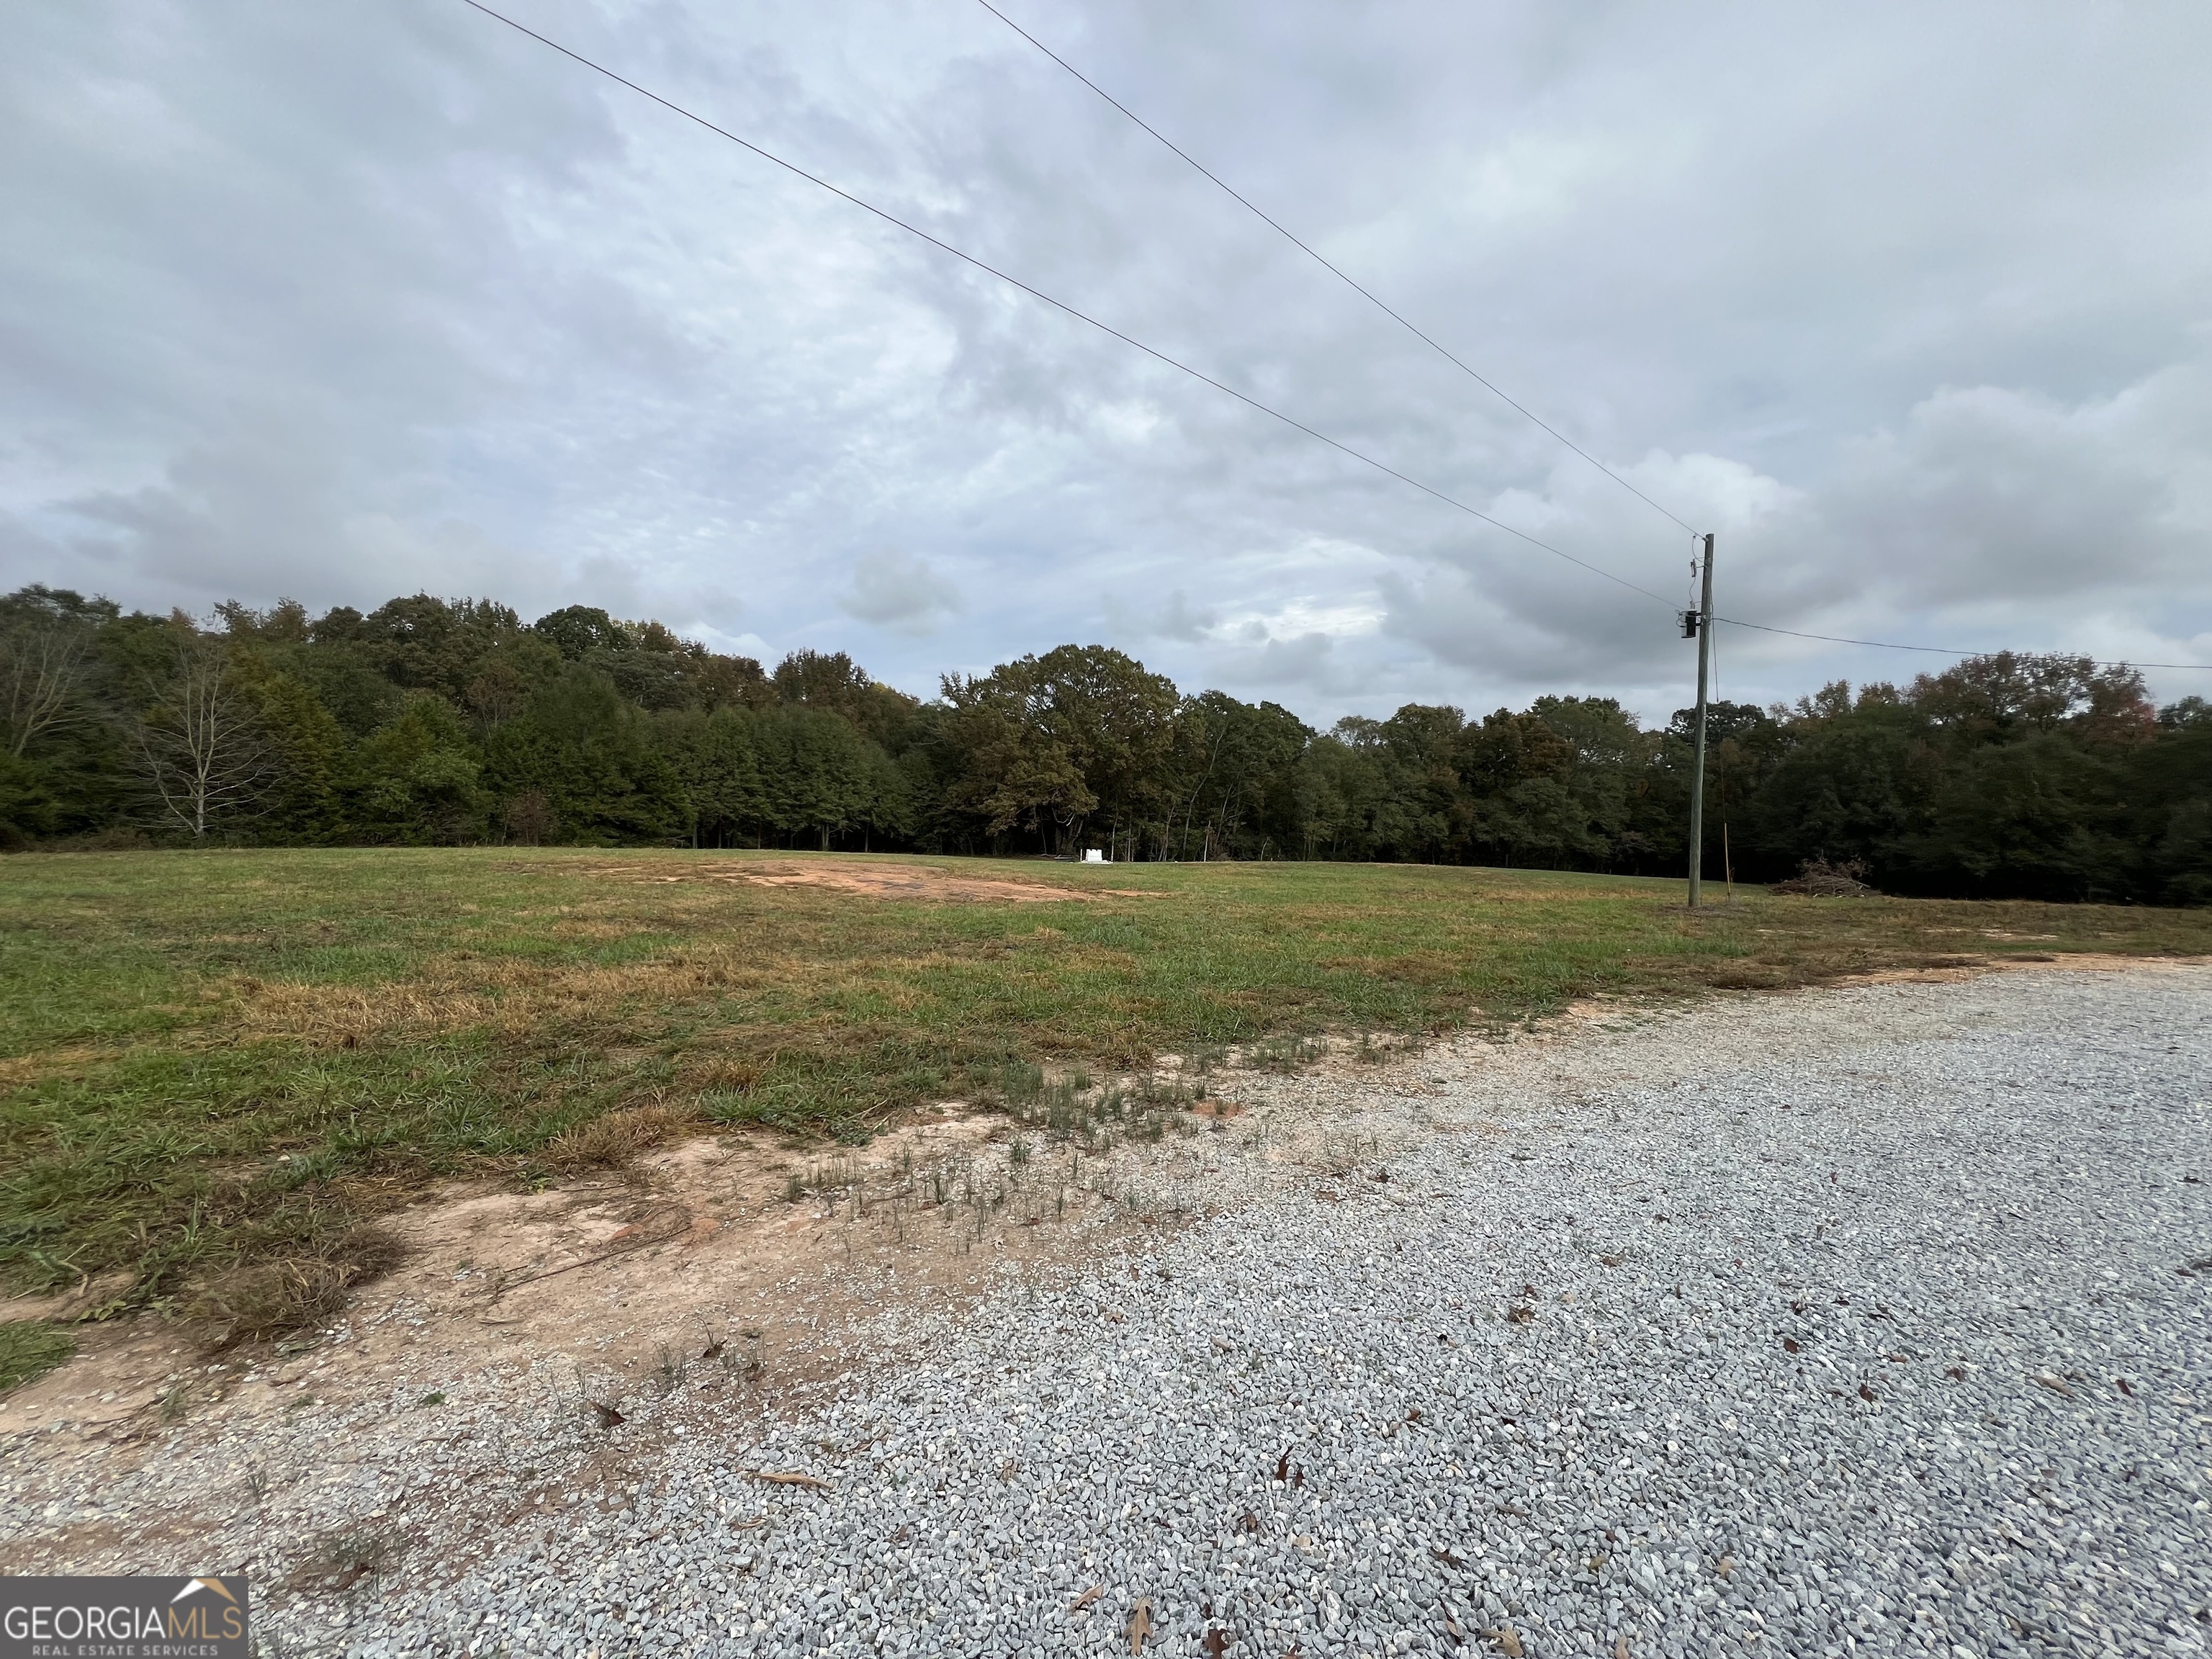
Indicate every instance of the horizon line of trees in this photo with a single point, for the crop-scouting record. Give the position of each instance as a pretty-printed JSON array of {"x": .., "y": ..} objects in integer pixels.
[{"x": 430, "y": 722}]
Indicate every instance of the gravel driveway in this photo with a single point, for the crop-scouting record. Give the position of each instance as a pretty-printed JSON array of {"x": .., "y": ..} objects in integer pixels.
[{"x": 1875, "y": 1321}]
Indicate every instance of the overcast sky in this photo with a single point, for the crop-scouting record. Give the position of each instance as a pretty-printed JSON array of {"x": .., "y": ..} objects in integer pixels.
[{"x": 1911, "y": 304}]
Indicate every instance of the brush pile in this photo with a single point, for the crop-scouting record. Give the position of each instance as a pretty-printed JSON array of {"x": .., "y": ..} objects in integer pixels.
[{"x": 1817, "y": 878}]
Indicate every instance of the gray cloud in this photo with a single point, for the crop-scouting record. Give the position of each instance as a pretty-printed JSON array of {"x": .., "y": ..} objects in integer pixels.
[
  {"x": 898, "y": 590},
  {"x": 1132, "y": 617},
  {"x": 1908, "y": 306}
]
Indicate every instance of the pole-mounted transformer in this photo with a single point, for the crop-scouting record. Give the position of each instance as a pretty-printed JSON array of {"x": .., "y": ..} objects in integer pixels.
[{"x": 1689, "y": 624}]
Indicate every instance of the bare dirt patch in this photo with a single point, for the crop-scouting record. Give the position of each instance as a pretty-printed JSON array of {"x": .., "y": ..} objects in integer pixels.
[
  {"x": 729, "y": 1249},
  {"x": 711, "y": 1282},
  {"x": 1967, "y": 968},
  {"x": 928, "y": 882}
]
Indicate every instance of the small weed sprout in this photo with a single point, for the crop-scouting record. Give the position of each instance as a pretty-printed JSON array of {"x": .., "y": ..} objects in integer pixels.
[
  {"x": 668, "y": 1369},
  {"x": 346, "y": 1559},
  {"x": 1021, "y": 1084}
]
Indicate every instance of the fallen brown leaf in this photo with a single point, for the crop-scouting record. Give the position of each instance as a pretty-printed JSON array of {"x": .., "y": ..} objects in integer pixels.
[
  {"x": 1086, "y": 1598},
  {"x": 1141, "y": 1626},
  {"x": 787, "y": 1478},
  {"x": 1620, "y": 1647},
  {"x": 1865, "y": 1393},
  {"x": 2055, "y": 1386},
  {"x": 1216, "y": 1642},
  {"x": 1790, "y": 1345},
  {"x": 1447, "y": 1557},
  {"x": 2121, "y": 1384},
  {"x": 1506, "y": 1641},
  {"x": 1722, "y": 1568}
]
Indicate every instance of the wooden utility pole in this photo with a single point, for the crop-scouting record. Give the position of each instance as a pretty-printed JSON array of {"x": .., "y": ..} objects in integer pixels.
[{"x": 1701, "y": 621}]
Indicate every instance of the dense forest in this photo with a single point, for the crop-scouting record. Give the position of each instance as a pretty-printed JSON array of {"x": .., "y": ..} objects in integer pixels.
[{"x": 434, "y": 722}]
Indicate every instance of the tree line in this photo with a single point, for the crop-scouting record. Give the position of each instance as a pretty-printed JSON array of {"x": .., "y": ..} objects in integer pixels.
[{"x": 429, "y": 721}]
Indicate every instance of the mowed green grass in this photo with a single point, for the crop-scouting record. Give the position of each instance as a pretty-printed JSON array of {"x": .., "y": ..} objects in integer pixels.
[{"x": 211, "y": 1058}]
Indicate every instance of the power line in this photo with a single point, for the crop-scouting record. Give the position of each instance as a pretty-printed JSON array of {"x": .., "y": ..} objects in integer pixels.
[
  {"x": 1280, "y": 229},
  {"x": 1221, "y": 387},
  {"x": 1060, "y": 305},
  {"x": 1333, "y": 271},
  {"x": 1945, "y": 650}
]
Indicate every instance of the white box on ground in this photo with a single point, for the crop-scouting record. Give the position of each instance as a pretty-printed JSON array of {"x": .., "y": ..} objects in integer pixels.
[{"x": 1094, "y": 855}]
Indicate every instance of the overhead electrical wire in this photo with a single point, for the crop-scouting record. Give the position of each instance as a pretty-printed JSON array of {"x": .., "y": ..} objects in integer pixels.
[
  {"x": 1326, "y": 265},
  {"x": 1945, "y": 650},
  {"x": 1200, "y": 376},
  {"x": 1059, "y": 305},
  {"x": 1357, "y": 287}
]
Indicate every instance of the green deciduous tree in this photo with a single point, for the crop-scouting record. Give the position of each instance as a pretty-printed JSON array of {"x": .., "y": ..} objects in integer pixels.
[{"x": 590, "y": 756}]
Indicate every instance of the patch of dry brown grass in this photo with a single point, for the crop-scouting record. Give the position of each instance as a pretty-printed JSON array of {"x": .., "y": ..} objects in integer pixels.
[
  {"x": 508, "y": 997},
  {"x": 259, "y": 1300},
  {"x": 612, "y": 1141}
]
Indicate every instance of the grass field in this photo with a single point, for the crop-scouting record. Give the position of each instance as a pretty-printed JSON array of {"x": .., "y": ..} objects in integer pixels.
[{"x": 210, "y": 1060}]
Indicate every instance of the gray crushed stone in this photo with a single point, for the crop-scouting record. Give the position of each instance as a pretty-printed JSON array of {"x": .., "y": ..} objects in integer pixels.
[{"x": 1864, "y": 1322}]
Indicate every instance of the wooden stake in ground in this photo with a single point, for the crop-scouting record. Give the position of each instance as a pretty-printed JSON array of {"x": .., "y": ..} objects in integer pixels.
[{"x": 787, "y": 1478}]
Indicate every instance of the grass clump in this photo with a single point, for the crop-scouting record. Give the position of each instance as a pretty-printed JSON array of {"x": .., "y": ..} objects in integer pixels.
[
  {"x": 259, "y": 1298},
  {"x": 610, "y": 1142},
  {"x": 29, "y": 1348}
]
